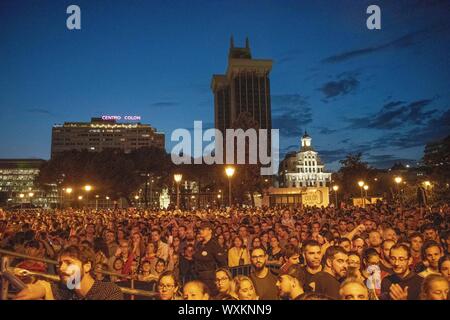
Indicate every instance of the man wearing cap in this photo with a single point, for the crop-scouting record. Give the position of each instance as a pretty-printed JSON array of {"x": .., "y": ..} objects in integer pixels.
[{"x": 208, "y": 257}]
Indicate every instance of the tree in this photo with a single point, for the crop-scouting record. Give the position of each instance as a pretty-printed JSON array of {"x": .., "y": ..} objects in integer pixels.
[
  {"x": 353, "y": 169},
  {"x": 110, "y": 172},
  {"x": 436, "y": 160}
]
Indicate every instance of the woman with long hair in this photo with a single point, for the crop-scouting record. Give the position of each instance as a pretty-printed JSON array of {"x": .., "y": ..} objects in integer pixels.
[
  {"x": 225, "y": 285},
  {"x": 238, "y": 254},
  {"x": 245, "y": 288}
]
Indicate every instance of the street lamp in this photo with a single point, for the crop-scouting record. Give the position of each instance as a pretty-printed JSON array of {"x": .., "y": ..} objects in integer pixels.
[
  {"x": 96, "y": 202},
  {"x": 366, "y": 187},
  {"x": 177, "y": 177},
  {"x": 136, "y": 197},
  {"x": 107, "y": 201},
  {"x": 361, "y": 185},
  {"x": 335, "y": 189},
  {"x": 80, "y": 197},
  {"x": 229, "y": 171},
  {"x": 21, "y": 196},
  {"x": 87, "y": 188}
]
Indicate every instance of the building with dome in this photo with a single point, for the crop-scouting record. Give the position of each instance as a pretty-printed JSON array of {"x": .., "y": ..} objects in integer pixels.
[{"x": 303, "y": 168}]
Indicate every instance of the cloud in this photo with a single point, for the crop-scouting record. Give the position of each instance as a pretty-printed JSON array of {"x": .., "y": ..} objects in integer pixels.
[
  {"x": 325, "y": 130},
  {"x": 290, "y": 113},
  {"x": 164, "y": 104},
  {"x": 340, "y": 87},
  {"x": 40, "y": 111},
  {"x": 435, "y": 129},
  {"x": 404, "y": 41},
  {"x": 395, "y": 114}
]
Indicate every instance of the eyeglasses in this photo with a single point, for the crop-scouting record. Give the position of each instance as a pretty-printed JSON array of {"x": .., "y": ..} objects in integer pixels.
[
  {"x": 257, "y": 257},
  {"x": 221, "y": 279},
  {"x": 401, "y": 259},
  {"x": 166, "y": 286}
]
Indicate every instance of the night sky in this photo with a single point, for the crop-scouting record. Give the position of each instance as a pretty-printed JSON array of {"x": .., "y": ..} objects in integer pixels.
[{"x": 384, "y": 93}]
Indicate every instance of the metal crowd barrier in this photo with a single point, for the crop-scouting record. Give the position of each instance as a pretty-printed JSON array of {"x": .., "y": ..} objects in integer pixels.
[
  {"x": 7, "y": 273},
  {"x": 243, "y": 270}
]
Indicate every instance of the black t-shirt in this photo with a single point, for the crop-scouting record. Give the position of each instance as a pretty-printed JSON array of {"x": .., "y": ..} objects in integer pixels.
[
  {"x": 99, "y": 291},
  {"x": 208, "y": 257},
  {"x": 265, "y": 287},
  {"x": 324, "y": 283},
  {"x": 303, "y": 276},
  {"x": 413, "y": 281}
]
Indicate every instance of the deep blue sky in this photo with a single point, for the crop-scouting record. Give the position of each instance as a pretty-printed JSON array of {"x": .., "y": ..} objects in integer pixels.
[{"x": 384, "y": 93}]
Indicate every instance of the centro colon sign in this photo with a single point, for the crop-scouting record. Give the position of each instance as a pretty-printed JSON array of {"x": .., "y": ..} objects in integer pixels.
[{"x": 131, "y": 118}]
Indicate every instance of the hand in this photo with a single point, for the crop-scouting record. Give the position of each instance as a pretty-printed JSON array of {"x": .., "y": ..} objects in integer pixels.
[
  {"x": 31, "y": 292},
  {"x": 397, "y": 293}
]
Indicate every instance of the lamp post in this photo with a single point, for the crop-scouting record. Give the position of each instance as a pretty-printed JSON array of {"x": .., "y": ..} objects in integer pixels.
[
  {"x": 87, "y": 188},
  {"x": 31, "y": 195},
  {"x": 136, "y": 197},
  {"x": 229, "y": 171},
  {"x": 335, "y": 189},
  {"x": 21, "y": 196},
  {"x": 398, "y": 180},
  {"x": 107, "y": 201},
  {"x": 366, "y": 187},
  {"x": 69, "y": 192},
  {"x": 177, "y": 177},
  {"x": 361, "y": 185},
  {"x": 96, "y": 202}
]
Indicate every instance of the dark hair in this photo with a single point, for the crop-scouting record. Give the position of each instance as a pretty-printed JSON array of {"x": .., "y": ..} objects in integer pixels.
[
  {"x": 332, "y": 252},
  {"x": 310, "y": 243},
  {"x": 401, "y": 246},
  {"x": 291, "y": 250},
  {"x": 168, "y": 273},
  {"x": 258, "y": 248},
  {"x": 81, "y": 253},
  {"x": 315, "y": 296},
  {"x": 33, "y": 244},
  {"x": 429, "y": 244},
  {"x": 429, "y": 226},
  {"x": 100, "y": 245},
  {"x": 369, "y": 252},
  {"x": 442, "y": 260},
  {"x": 415, "y": 235}
]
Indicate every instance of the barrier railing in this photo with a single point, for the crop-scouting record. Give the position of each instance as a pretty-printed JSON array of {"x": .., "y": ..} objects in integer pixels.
[
  {"x": 132, "y": 291},
  {"x": 6, "y": 270}
]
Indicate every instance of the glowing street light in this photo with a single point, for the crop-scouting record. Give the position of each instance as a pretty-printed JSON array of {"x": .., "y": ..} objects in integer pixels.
[
  {"x": 398, "y": 180},
  {"x": 21, "y": 195},
  {"x": 87, "y": 188},
  {"x": 361, "y": 185},
  {"x": 335, "y": 189},
  {"x": 80, "y": 197},
  {"x": 69, "y": 190},
  {"x": 366, "y": 187},
  {"x": 177, "y": 177},
  {"x": 229, "y": 171}
]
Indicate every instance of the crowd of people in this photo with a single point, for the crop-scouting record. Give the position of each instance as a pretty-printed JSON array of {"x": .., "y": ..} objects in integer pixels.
[{"x": 381, "y": 252}]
